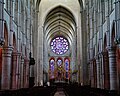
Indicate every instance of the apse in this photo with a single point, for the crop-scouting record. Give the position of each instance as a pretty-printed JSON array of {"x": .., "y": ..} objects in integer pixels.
[{"x": 59, "y": 33}]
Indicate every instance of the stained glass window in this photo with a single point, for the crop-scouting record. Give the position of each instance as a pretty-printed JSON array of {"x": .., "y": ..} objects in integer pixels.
[
  {"x": 67, "y": 68},
  {"x": 52, "y": 68},
  {"x": 59, "y": 45},
  {"x": 52, "y": 64},
  {"x": 66, "y": 65},
  {"x": 59, "y": 62}
]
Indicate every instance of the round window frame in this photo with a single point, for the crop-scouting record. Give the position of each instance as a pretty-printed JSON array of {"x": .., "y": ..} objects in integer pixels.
[{"x": 54, "y": 50}]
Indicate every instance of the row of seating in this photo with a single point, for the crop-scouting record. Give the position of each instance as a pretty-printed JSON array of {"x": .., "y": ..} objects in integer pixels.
[
  {"x": 73, "y": 89},
  {"x": 77, "y": 90},
  {"x": 35, "y": 91}
]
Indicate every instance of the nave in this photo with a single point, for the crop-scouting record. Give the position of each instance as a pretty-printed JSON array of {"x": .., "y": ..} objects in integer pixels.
[{"x": 59, "y": 89}]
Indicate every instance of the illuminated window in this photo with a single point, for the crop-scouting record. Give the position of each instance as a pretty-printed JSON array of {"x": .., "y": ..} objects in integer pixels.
[
  {"x": 59, "y": 45},
  {"x": 66, "y": 65},
  {"x": 52, "y": 68},
  {"x": 59, "y": 62}
]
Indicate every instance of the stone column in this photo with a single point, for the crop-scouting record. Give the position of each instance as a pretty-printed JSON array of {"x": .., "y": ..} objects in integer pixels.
[
  {"x": 1, "y": 20},
  {"x": 98, "y": 71},
  {"x": 13, "y": 70},
  {"x": 26, "y": 74},
  {"x": 95, "y": 73},
  {"x": 11, "y": 23},
  {"x": 112, "y": 68},
  {"x": 91, "y": 74},
  {"x": 101, "y": 70},
  {"x": 6, "y": 68},
  {"x": 18, "y": 70},
  {"x": 21, "y": 72}
]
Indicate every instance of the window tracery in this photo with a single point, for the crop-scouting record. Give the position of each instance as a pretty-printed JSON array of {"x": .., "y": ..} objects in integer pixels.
[{"x": 59, "y": 45}]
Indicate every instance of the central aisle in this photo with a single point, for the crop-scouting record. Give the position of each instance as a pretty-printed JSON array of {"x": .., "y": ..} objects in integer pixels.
[{"x": 60, "y": 92}]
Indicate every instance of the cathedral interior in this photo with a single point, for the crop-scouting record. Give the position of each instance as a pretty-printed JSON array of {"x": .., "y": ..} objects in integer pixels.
[{"x": 59, "y": 47}]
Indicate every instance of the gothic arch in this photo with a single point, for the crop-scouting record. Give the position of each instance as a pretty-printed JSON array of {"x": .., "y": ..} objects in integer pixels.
[
  {"x": 113, "y": 35},
  {"x": 14, "y": 64},
  {"x": 1, "y": 49},
  {"x": 52, "y": 68},
  {"x": 5, "y": 35},
  {"x": 14, "y": 43},
  {"x": 63, "y": 23},
  {"x": 37, "y": 4},
  {"x": 106, "y": 64},
  {"x": 56, "y": 6},
  {"x": 80, "y": 3},
  {"x": 117, "y": 54}
]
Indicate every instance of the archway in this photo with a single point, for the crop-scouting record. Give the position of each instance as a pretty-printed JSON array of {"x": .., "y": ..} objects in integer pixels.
[
  {"x": 117, "y": 55},
  {"x": 60, "y": 69},
  {"x": 67, "y": 68},
  {"x": 106, "y": 65},
  {"x": 1, "y": 49},
  {"x": 26, "y": 70},
  {"x": 52, "y": 70},
  {"x": 60, "y": 37},
  {"x": 14, "y": 64}
]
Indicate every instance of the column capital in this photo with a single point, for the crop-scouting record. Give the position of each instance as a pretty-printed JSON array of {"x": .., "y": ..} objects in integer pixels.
[
  {"x": 97, "y": 57},
  {"x": 102, "y": 53},
  {"x": 111, "y": 48},
  {"x": 16, "y": 53},
  {"x": 7, "y": 51}
]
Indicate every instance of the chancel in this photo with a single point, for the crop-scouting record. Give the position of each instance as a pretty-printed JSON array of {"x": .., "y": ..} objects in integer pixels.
[{"x": 59, "y": 48}]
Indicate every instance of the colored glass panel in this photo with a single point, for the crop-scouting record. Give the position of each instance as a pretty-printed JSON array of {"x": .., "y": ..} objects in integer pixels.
[{"x": 59, "y": 45}]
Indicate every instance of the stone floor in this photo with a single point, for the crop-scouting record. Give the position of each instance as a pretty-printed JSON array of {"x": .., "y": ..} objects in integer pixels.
[{"x": 60, "y": 92}]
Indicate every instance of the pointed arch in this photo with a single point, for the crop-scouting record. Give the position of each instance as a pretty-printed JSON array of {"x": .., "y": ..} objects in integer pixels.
[
  {"x": 67, "y": 67},
  {"x": 37, "y": 4},
  {"x": 105, "y": 43},
  {"x": 113, "y": 35},
  {"x": 81, "y": 4},
  {"x": 56, "y": 7},
  {"x": 14, "y": 43},
  {"x": 52, "y": 68},
  {"x": 5, "y": 35},
  {"x": 106, "y": 64}
]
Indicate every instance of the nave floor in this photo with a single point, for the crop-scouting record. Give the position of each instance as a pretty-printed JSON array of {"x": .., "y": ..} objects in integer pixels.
[
  {"x": 60, "y": 92},
  {"x": 61, "y": 89}
]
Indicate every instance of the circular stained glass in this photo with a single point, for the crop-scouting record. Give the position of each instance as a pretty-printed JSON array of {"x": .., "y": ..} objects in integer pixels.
[{"x": 59, "y": 45}]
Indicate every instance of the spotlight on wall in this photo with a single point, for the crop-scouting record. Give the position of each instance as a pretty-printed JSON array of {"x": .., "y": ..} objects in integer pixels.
[{"x": 2, "y": 41}]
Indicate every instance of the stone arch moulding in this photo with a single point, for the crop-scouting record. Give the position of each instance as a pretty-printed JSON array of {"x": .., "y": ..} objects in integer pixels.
[
  {"x": 80, "y": 3},
  {"x": 106, "y": 64},
  {"x": 6, "y": 35},
  {"x": 105, "y": 43},
  {"x": 14, "y": 43},
  {"x": 55, "y": 6},
  {"x": 113, "y": 34},
  {"x": 37, "y": 4}
]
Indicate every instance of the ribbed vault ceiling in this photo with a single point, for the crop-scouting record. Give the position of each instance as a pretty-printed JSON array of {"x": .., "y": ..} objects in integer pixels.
[{"x": 59, "y": 22}]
